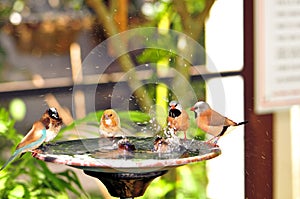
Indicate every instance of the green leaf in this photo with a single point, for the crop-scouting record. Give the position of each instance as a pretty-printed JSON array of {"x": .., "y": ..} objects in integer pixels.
[
  {"x": 17, "y": 192},
  {"x": 3, "y": 127}
]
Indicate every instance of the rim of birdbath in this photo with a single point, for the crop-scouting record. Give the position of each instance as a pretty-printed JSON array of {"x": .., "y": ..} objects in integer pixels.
[
  {"x": 122, "y": 162},
  {"x": 126, "y": 174}
]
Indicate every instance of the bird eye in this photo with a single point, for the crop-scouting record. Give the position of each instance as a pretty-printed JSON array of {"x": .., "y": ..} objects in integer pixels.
[{"x": 110, "y": 115}]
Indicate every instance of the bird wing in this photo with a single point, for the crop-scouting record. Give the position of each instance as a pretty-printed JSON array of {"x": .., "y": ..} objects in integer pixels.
[
  {"x": 34, "y": 138},
  {"x": 216, "y": 119},
  {"x": 211, "y": 122},
  {"x": 183, "y": 121},
  {"x": 116, "y": 120}
]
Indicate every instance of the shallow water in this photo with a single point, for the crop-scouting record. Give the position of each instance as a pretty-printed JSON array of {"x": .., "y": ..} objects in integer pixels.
[{"x": 107, "y": 148}]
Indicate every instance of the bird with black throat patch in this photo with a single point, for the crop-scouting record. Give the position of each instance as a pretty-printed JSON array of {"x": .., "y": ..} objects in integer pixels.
[
  {"x": 43, "y": 130},
  {"x": 211, "y": 121},
  {"x": 53, "y": 123},
  {"x": 178, "y": 119}
]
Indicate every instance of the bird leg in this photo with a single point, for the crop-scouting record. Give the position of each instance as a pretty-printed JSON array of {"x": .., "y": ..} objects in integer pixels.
[
  {"x": 184, "y": 135},
  {"x": 214, "y": 140},
  {"x": 34, "y": 154},
  {"x": 211, "y": 139}
]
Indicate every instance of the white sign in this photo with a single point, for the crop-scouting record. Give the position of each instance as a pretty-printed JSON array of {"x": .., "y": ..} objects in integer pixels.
[{"x": 277, "y": 54}]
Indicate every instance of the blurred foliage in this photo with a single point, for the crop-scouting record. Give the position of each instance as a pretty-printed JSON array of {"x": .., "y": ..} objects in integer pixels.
[
  {"x": 154, "y": 55},
  {"x": 190, "y": 182},
  {"x": 28, "y": 177},
  {"x": 161, "y": 8},
  {"x": 17, "y": 109},
  {"x": 5, "y": 10},
  {"x": 126, "y": 117}
]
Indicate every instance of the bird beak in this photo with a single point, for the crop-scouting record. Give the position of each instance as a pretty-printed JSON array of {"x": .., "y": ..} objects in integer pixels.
[
  {"x": 172, "y": 107},
  {"x": 192, "y": 109}
]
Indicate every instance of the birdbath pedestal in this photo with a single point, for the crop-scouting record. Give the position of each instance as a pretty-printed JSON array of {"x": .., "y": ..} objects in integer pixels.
[{"x": 126, "y": 174}]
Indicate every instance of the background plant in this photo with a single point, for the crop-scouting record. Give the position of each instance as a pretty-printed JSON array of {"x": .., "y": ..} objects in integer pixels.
[{"x": 28, "y": 177}]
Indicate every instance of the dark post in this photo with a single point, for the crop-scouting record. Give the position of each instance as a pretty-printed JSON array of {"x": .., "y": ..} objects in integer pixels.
[{"x": 258, "y": 133}]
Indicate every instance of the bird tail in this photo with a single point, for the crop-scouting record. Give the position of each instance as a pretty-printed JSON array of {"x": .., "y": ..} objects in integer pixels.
[
  {"x": 223, "y": 131},
  {"x": 15, "y": 154},
  {"x": 241, "y": 123}
]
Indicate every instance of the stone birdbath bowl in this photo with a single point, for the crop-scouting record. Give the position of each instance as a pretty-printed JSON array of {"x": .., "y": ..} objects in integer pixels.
[{"x": 125, "y": 173}]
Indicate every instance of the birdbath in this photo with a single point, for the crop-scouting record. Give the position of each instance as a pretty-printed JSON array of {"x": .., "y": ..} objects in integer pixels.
[{"x": 125, "y": 173}]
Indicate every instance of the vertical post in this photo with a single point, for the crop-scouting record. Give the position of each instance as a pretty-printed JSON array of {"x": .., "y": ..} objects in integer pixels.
[
  {"x": 121, "y": 16},
  {"x": 79, "y": 98},
  {"x": 287, "y": 153},
  {"x": 295, "y": 149},
  {"x": 283, "y": 173},
  {"x": 259, "y": 131}
]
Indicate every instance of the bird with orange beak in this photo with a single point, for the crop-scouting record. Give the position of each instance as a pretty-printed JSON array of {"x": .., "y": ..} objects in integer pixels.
[
  {"x": 110, "y": 124},
  {"x": 178, "y": 119},
  {"x": 211, "y": 121}
]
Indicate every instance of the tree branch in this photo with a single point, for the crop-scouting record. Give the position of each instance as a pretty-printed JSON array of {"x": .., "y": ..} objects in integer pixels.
[
  {"x": 204, "y": 15},
  {"x": 125, "y": 61},
  {"x": 188, "y": 21},
  {"x": 181, "y": 8}
]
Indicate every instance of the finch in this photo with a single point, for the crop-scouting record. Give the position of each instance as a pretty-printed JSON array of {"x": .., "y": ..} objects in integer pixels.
[
  {"x": 178, "y": 118},
  {"x": 110, "y": 124},
  {"x": 43, "y": 130},
  {"x": 211, "y": 121}
]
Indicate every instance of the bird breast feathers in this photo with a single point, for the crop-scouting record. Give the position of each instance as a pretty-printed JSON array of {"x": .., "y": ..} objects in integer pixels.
[
  {"x": 109, "y": 122},
  {"x": 181, "y": 122}
]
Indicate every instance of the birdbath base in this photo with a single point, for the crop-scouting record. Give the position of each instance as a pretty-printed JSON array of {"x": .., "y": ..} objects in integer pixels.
[
  {"x": 126, "y": 174},
  {"x": 126, "y": 185}
]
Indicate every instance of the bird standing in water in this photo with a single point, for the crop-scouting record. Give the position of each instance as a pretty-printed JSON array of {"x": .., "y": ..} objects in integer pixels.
[
  {"x": 178, "y": 119},
  {"x": 110, "y": 124},
  {"x": 43, "y": 130},
  {"x": 211, "y": 121}
]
